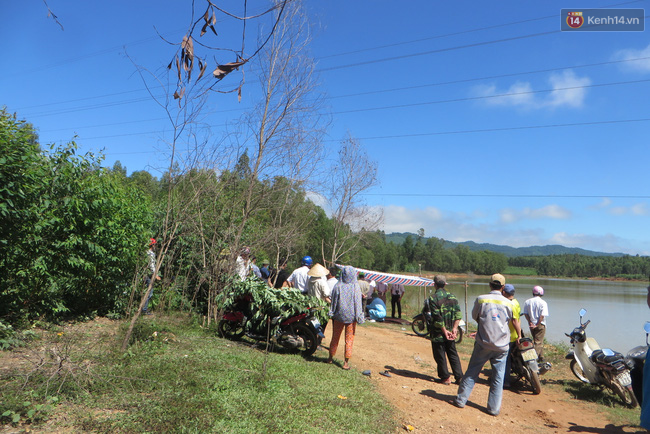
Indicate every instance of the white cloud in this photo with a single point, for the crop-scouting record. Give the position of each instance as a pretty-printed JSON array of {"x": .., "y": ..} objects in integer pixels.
[
  {"x": 599, "y": 243},
  {"x": 637, "y": 209},
  {"x": 508, "y": 215},
  {"x": 318, "y": 199},
  {"x": 568, "y": 90},
  {"x": 574, "y": 92},
  {"x": 518, "y": 94},
  {"x": 641, "y": 65}
]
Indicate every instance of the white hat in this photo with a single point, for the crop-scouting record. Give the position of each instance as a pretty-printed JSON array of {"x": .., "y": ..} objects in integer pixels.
[{"x": 318, "y": 271}]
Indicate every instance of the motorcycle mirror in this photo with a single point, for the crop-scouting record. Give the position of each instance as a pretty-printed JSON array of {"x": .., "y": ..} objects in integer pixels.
[{"x": 582, "y": 313}]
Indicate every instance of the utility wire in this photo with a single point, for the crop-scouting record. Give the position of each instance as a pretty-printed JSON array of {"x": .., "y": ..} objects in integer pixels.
[
  {"x": 511, "y": 196},
  {"x": 485, "y": 130}
]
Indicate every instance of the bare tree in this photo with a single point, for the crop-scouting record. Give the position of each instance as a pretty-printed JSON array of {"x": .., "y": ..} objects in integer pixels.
[
  {"x": 187, "y": 146},
  {"x": 353, "y": 174},
  {"x": 284, "y": 132}
]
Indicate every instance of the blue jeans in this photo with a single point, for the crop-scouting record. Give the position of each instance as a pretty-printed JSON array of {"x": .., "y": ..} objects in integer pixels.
[
  {"x": 147, "y": 281},
  {"x": 479, "y": 357}
]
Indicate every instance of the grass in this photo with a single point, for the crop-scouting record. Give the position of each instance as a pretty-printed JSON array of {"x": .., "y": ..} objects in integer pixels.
[{"x": 177, "y": 377}]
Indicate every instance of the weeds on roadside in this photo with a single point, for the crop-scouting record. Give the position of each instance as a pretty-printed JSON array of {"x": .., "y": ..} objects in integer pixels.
[{"x": 179, "y": 377}]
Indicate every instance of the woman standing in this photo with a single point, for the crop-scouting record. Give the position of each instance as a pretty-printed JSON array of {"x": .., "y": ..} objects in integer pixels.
[{"x": 346, "y": 312}]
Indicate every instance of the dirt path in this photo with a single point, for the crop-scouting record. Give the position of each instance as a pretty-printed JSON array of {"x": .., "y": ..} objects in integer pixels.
[{"x": 424, "y": 404}]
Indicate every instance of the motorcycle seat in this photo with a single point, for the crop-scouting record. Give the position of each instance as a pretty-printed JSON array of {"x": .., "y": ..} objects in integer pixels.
[{"x": 606, "y": 357}]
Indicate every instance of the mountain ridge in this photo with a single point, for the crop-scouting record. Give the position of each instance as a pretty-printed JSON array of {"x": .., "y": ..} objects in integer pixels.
[{"x": 547, "y": 250}]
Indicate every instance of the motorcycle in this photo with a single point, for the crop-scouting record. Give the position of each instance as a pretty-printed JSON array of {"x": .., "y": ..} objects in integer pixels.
[
  {"x": 420, "y": 327},
  {"x": 297, "y": 331},
  {"x": 636, "y": 358},
  {"x": 524, "y": 364},
  {"x": 600, "y": 366}
]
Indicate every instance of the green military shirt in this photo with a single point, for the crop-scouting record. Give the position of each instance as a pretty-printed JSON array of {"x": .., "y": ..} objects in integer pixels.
[{"x": 445, "y": 310}]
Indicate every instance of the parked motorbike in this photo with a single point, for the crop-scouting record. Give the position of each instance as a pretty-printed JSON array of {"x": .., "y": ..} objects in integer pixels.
[
  {"x": 420, "y": 327},
  {"x": 524, "y": 364},
  {"x": 295, "y": 331},
  {"x": 599, "y": 366},
  {"x": 636, "y": 359}
]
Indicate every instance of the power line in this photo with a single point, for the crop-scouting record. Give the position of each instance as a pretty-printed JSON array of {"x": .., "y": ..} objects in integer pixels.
[
  {"x": 492, "y": 130},
  {"x": 405, "y": 88},
  {"x": 502, "y": 95},
  {"x": 511, "y": 196},
  {"x": 485, "y": 130},
  {"x": 462, "y": 32}
]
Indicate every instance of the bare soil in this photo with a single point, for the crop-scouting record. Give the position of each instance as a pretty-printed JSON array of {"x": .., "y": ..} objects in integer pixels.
[{"x": 424, "y": 404}]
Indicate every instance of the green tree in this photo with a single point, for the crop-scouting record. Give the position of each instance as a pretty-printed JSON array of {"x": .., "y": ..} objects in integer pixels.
[{"x": 73, "y": 233}]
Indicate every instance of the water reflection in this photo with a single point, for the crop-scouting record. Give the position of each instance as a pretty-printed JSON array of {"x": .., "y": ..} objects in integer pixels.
[{"x": 617, "y": 310}]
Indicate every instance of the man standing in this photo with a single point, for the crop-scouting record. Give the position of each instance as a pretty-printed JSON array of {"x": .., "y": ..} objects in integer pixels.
[
  {"x": 331, "y": 277},
  {"x": 536, "y": 311},
  {"x": 381, "y": 291},
  {"x": 149, "y": 280},
  {"x": 445, "y": 317},
  {"x": 365, "y": 289},
  {"x": 264, "y": 270},
  {"x": 493, "y": 313},
  {"x": 254, "y": 268},
  {"x": 243, "y": 263},
  {"x": 317, "y": 284},
  {"x": 396, "y": 294},
  {"x": 278, "y": 276},
  {"x": 515, "y": 329},
  {"x": 299, "y": 278}
]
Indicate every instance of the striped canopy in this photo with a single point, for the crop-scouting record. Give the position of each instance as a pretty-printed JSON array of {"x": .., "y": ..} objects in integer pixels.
[{"x": 388, "y": 278}]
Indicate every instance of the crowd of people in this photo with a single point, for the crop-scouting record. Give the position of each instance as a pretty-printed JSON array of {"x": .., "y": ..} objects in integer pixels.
[{"x": 353, "y": 299}]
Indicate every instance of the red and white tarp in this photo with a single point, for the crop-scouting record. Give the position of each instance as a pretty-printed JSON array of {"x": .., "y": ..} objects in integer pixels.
[{"x": 388, "y": 278}]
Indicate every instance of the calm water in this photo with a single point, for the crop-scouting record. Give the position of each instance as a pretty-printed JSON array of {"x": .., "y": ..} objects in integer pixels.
[{"x": 617, "y": 310}]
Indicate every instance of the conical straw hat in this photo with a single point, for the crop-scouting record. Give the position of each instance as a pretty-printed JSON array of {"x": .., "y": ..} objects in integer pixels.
[{"x": 318, "y": 271}]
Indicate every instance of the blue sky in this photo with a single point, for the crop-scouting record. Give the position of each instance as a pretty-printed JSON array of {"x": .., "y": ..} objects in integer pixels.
[{"x": 486, "y": 123}]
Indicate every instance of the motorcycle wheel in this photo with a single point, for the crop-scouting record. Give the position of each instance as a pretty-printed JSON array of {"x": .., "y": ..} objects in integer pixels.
[
  {"x": 625, "y": 393},
  {"x": 311, "y": 340},
  {"x": 230, "y": 329},
  {"x": 459, "y": 336},
  {"x": 577, "y": 371},
  {"x": 419, "y": 325},
  {"x": 533, "y": 377}
]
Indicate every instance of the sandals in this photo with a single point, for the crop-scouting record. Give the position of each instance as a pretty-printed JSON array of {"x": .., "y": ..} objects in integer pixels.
[{"x": 385, "y": 374}]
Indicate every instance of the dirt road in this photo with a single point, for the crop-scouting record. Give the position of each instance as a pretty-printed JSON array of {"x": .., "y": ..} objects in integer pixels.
[{"x": 425, "y": 404}]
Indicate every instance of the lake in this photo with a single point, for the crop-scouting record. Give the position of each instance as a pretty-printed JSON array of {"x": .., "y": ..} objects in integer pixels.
[{"x": 617, "y": 310}]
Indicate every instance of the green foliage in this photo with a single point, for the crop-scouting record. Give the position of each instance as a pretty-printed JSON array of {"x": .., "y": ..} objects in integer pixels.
[
  {"x": 270, "y": 302},
  {"x": 10, "y": 338},
  {"x": 186, "y": 380},
  {"x": 625, "y": 267},
  {"x": 72, "y": 233}
]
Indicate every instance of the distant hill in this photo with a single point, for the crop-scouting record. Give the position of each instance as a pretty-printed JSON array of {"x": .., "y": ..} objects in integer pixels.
[{"x": 398, "y": 238}]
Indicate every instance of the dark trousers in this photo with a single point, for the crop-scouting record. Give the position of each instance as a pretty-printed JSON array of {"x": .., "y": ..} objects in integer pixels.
[
  {"x": 442, "y": 351},
  {"x": 395, "y": 299}
]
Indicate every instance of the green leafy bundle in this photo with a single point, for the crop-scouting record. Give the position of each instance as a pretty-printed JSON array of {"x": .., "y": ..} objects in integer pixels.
[{"x": 269, "y": 302}]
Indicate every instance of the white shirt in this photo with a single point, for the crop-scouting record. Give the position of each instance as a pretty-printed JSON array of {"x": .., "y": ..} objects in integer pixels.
[
  {"x": 536, "y": 307},
  {"x": 241, "y": 267},
  {"x": 319, "y": 288},
  {"x": 332, "y": 281},
  {"x": 299, "y": 278}
]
